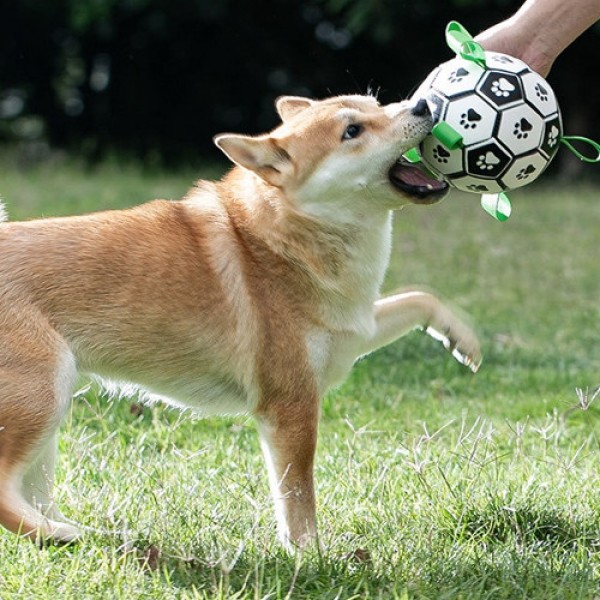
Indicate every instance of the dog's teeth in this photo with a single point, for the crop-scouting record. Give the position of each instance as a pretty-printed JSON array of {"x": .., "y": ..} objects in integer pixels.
[{"x": 429, "y": 186}]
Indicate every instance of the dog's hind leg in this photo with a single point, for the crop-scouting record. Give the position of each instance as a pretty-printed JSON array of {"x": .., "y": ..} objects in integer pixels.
[
  {"x": 36, "y": 374},
  {"x": 18, "y": 516},
  {"x": 38, "y": 481}
]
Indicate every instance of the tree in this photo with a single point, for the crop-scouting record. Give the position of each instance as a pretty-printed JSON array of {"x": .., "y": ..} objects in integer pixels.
[{"x": 158, "y": 78}]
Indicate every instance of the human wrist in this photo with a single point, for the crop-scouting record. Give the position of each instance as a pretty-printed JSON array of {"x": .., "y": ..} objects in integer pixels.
[
  {"x": 514, "y": 37},
  {"x": 538, "y": 59}
]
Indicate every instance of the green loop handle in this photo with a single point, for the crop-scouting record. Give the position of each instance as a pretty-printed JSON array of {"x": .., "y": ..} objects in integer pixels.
[
  {"x": 567, "y": 141},
  {"x": 496, "y": 205},
  {"x": 446, "y": 134},
  {"x": 412, "y": 156},
  {"x": 461, "y": 42}
]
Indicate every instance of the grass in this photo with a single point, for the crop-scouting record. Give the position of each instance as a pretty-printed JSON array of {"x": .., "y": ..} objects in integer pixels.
[{"x": 432, "y": 482}]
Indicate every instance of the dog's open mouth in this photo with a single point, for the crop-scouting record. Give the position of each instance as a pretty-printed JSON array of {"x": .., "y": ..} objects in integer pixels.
[{"x": 412, "y": 180}]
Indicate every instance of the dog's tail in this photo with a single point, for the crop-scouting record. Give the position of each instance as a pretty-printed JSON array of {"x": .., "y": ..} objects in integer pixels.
[{"x": 3, "y": 213}]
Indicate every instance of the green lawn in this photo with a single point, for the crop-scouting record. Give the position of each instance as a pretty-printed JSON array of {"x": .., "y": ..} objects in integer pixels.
[{"x": 432, "y": 482}]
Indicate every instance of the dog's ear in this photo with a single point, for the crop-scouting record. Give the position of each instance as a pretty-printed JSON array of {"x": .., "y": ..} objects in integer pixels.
[
  {"x": 259, "y": 154},
  {"x": 288, "y": 106}
]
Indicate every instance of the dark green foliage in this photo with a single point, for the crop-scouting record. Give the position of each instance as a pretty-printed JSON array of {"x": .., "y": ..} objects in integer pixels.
[{"x": 158, "y": 78}]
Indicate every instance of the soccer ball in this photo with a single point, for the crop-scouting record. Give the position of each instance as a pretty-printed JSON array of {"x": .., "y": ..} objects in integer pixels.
[{"x": 508, "y": 118}]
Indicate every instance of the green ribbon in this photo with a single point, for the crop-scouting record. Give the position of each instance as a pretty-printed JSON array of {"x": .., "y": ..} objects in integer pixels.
[
  {"x": 567, "y": 141},
  {"x": 461, "y": 42},
  {"x": 412, "y": 156},
  {"x": 496, "y": 205}
]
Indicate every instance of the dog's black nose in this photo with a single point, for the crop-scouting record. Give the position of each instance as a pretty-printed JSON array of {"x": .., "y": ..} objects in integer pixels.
[{"x": 421, "y": 108}]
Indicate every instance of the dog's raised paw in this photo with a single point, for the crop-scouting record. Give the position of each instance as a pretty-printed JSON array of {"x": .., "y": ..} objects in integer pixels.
[{"x": 464, "y": 349}]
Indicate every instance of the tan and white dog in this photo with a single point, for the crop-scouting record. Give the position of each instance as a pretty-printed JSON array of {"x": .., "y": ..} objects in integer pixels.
[{"x": 253, "y": 294}]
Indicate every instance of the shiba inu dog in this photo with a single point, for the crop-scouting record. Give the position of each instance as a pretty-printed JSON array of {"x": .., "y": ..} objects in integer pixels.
[{"x": 253, "y": 294}]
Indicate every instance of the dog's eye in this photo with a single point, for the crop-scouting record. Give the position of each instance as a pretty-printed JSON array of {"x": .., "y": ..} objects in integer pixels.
[{"x": 352, "y": 131}]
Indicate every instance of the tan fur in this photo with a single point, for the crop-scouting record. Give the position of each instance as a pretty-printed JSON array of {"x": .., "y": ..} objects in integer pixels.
[{"x": 253, "y": 294}]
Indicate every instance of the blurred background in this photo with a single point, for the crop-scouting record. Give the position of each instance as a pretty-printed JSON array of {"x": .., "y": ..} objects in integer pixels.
[{"x": 154, "y": 80}]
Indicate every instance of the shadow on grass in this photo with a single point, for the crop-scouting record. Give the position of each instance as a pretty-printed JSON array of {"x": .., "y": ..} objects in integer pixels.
[
  {"x": 524, "y": 554},
  {"x": 535, "y": 574},
  {"x": 515, "y": 552},
  {"x": 274, "y": 576},
  {"x": 530, "y": 525},
  {"x": 501, "y": 572}
]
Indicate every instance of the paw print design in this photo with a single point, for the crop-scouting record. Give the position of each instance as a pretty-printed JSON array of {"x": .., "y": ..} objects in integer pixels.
[
  {"x": 458, "y": 75},
  {"x": 505, "y": 60},
  {"x": 553, "y": 136},
  {"x": 541, "y": 92},
  {"x": 487, "y": 161},
  {"x": 474, "y": 187},
  {"x": 469, "y": 119},
  {"x": 441, "y": 154},
  {"x": 525, "y": 172},
  {"x": 502, "y": 88},
  {"x": 522, "y": 129}
]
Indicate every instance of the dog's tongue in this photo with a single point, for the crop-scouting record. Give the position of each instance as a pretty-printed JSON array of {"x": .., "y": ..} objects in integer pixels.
[
  {"x": 414, "y": 181},
  {"x": 412, "y": 175}
]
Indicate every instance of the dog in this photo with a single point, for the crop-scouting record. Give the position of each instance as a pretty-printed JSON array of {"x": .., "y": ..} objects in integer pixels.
[{"x": 253, "y": 294}]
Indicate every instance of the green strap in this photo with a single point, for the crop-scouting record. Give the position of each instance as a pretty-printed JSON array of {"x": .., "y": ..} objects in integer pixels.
[
  {"x": 461, "y": 42},
  {"x": 496, "y": 205},
  {"x": 446, "y": 134},
  {"x": 567, "y": 141},
  {"x": 412, "y": 156}
]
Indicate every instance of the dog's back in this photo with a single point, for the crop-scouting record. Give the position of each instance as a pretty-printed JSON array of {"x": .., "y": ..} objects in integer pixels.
[{"x": 139, "y": 298}]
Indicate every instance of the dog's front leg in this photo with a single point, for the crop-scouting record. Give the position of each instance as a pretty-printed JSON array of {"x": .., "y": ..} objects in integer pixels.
[
  {"x": 288, "y": 434},
  {"x": 398, "y": 314}
]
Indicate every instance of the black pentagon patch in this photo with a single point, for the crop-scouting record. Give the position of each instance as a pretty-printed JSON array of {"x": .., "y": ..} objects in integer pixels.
[
  {"x": 552, "y": 135},
  {"x": 487, "y": 161},
  {"x": 500, "y": 89}
]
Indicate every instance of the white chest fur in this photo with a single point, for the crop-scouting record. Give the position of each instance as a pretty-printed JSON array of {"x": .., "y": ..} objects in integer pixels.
[{"x": 348, "y": 315}]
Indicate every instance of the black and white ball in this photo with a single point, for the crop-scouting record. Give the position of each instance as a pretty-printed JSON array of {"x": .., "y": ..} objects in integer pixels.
[{"x": 507, "y": 115}]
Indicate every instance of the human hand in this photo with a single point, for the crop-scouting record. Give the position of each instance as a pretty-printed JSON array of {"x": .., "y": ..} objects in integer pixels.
[{"x": 507, "y": 37}]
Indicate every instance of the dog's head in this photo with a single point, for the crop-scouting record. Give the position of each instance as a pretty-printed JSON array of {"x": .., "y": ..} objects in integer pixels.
[{"x": 346, "y": 149}]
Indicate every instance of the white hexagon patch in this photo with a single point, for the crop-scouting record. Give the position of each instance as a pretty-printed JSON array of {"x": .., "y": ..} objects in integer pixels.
[
  {"x": 439, "y": 159},
  {"x": 524, "y": 170},
  {"x": 457, "y": 76},
  {"x": 472, "y": 117},
  {"x": 539, "y": 93},
  {"x": 521, "y": 129}
]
